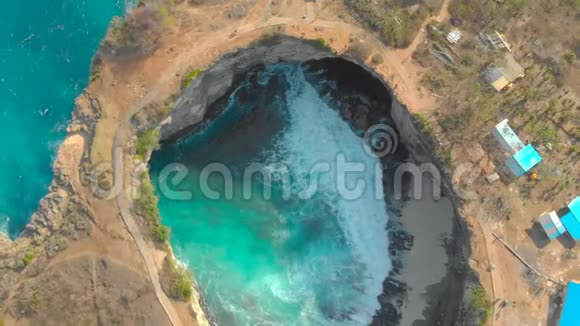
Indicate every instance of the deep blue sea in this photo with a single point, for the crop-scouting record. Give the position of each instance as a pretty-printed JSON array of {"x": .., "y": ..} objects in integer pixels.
[{"x": 46, "y": 48}]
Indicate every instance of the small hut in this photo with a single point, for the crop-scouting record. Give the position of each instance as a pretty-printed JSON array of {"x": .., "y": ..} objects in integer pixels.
[
  {"x": 503, "y": 74},
  {"x": 552, "y": 225},
  {"x": 571, "y": 220},
  {"x": 522, "y": 158}
]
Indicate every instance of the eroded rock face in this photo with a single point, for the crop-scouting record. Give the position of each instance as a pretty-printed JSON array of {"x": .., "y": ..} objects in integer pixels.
[
  {"x": 216, "y": 81},
  {"x": 362, "y": 112}
]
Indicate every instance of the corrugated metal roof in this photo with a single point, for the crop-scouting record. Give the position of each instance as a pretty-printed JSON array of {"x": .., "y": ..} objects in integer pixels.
[
  {"x": 512, "y": 70},
  {"x": 491, "y": 74},
  {"x": 508, "y": 137},
  {"x": 454, "y": 36},
  {"x": 571, "y": 311},
  {"x": 552, "y": 225},
  {"x": 508, "y": 69},
  {"x": 527, "y": 158}
]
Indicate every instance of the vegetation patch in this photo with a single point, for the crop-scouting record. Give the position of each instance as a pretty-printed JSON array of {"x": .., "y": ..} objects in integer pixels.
[
  {"x": 146, "y": 206},
  {"x": 480, "y": 304},
  {"x": 395, "y": 24},
  {"x": 481, "y": 13},
  {"x": 569, "y": 56},
  {"x": 147, "y": 141},
  {"x": 139, "y": 32},
  {"x": 191, "y": 76},
  {"x": 28, "y": 257},
  {"x": 424, "y": 124},
  {"x": 180, "y": 281}
]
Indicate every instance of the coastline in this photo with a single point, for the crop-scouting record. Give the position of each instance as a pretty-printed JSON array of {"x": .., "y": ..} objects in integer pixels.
[{"x": 38, "y": 230}]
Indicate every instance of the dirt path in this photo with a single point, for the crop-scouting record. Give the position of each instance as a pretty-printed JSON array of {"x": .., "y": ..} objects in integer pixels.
[
  {"x": 421, "y": 36},
  {"x": 144, "y": 250},
  {"x": 406, "y": 73}
]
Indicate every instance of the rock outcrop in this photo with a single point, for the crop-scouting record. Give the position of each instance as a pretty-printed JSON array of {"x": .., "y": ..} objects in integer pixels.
[{"x": 215, "y": 82}]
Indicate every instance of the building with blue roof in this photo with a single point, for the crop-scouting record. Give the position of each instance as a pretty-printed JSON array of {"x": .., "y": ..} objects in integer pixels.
[
  {"x": 552, "y": 225},
  {"x": 522, "y": 157},
  {"x": 571, "y": 221},
  {"x": 571, "y": 312},
  {"x": 523, "y": 161}
]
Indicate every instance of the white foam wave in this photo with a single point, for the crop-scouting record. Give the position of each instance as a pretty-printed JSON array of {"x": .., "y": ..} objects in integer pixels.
[{"x": 317, "y": 133}]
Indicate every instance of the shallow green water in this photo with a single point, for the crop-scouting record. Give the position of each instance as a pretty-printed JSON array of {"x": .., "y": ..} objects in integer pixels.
[
  {"x": 45, "y": 53},
  {"x": 285, "y": 259}
]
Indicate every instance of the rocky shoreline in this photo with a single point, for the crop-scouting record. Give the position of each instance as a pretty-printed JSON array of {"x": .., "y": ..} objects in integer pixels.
[{"x": 366, "y": 100}]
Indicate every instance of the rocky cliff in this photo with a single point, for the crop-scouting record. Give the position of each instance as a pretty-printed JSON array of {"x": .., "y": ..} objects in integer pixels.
[
  {"x": 366, "y": 100},
  {"x": 215, "y": 82}
]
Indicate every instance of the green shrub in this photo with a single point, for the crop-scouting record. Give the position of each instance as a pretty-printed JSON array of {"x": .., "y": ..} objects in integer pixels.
[
  {"x": 424, "y": 124},
  {"x": 191, "y": 76},
  {"x": 165, "y": 111},
  {"x": 479, "y": 302},
  {"x": 569, "y": 57},
  {"x": 28, "y": 257},
  {"x": 182, "y": 287},
  {"x": 166, "y": 16},
  {"x": 181, "y": 282},
  {"x": 146, "y": 206},
  {"x": 146, "y": 202},
  {"x": 160, "y": 233},
  {"x": 95, "y": 74},
  {"x": 147, "y": 141}
]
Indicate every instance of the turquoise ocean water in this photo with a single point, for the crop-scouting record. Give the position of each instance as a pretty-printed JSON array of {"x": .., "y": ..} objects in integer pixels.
[
  {"x": 45, "y": 53},
  {"x": 279, "y": 260}
]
